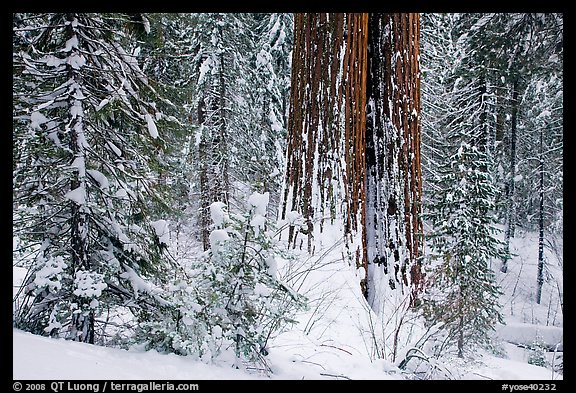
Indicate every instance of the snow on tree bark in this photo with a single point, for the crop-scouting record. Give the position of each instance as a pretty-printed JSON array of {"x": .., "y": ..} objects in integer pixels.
[
  {"x": 326, "y": 123},
  {"x": 353, "y": 141},
  {"x": 82, "y": 328},
  {"x": 393, "y": 224}
]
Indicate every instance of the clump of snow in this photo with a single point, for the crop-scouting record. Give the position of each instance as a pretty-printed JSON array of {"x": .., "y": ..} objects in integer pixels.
[
  {"x": 218, "y": 213},
  {"x": 139, "y": 284},
  {"x": 259, "y": 202},
  {"x": 263, "y": 58},
  {"x": 151, "y": 126},
  {"x": 262, "y": 290},
  {"x": 36, "y": 119},
  {"x": 53, "y": 61},
  {"x": 115, "y": 149},
  {"x": 50, "y": 274},
  {"x": 71, "y": 44},
  {"x": 146, "y": 24},
  {"x": 274, "y": 123},
  {"x": 77, "y": 195},
  {"x": 162, "y": 231},
  {"x": 122, "y": 194},
  {"x": 100, "y": 178},
  {"x": 217, "y": 331},
  {"x": 293, "y": 217},
  {"x": 76, "y": 61},
  {"x": 272, "y": 266},
  {"x": 76, "y": 109},
  {"x": 89, "y": 284},
  {"x": 204, "y": 68},
  {"x": 102, "y": 104},
  {"x": 218, "y": 236},
  {"x": 257, "y": 222}
]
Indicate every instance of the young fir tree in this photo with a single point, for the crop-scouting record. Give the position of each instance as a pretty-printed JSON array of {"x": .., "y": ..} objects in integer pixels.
[
  {"x": 229, "y": 299},
  {"x": 464, "y": 295},
  {"x": 84, "y": 134}
]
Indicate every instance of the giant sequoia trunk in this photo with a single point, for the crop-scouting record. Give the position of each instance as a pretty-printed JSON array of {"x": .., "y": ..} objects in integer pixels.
[
  {"x": 326, "y": 124},
  {"x": 393, "y": 224},
  {"x": 353, "y": 142}
]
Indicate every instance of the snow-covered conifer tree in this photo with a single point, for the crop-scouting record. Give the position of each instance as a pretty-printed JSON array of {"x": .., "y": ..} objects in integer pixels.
[
  {"x": 85, "y": 133},
  {"x": 462, "y": 294},
  {"x": 230, "y": 299}
]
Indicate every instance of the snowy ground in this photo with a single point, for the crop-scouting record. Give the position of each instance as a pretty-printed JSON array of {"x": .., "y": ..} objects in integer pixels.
[{"x": 332, "y": 340}]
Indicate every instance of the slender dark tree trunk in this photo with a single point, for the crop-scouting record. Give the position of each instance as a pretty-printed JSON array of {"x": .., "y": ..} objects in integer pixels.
[
  {"x": 461, "y": 337},
  {"x": 213, "y": 148},
  {"x": 82, "y": 327},
  {"x": 540, "y": 279},
  {"x": 511, "y": 227},
  {"x": 205, "y": 200}
]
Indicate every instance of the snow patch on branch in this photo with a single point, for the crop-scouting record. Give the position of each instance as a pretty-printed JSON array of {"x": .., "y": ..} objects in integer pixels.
[
  {"x": 218, "y": 213},
  {"x": 37, "y": 119},
  {"x": 162, "y": 231},
  {"x": 217, "y": 237},
  {"x": 89, "y": 284},
  {"x": 77, "y": 195},
  {"x": 151, "y": 126},
  {"x": 100, "y": 178},
  {"x": 259, "y": 202}
]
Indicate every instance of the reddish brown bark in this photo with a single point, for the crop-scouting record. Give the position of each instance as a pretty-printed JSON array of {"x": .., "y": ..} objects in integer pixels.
[
  {"x": 327, "y": 99},
  {"x": 333, "y": 78}
]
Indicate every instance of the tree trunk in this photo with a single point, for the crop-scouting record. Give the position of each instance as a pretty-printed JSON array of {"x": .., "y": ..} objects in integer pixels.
[
  {"x": 353, "y": 141},
  {"x": 540, "y": 278},
  {"x": 213, "y": 148},
  {"x": 393, "y": 224},
  {"x": 326, "y": 124},
  {"x": 461, "y": 337},
  {"x": 82, "y": 326},
  {"x": 510, "y": 229}
]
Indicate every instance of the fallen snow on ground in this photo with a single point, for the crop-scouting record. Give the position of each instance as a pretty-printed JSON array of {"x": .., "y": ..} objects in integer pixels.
[
  {"x": 526, "y": 334},
  {"x": 333, "y": 338},
  {"x": 498, "y": 368},
  {"x": 38, "y": 357}
]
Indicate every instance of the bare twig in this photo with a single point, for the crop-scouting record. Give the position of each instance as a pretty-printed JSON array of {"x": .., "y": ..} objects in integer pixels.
[{"x": 336, "y": 376}]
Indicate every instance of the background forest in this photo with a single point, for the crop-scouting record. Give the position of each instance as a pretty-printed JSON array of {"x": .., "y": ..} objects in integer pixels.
[{"x": 222, "y": 186}]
